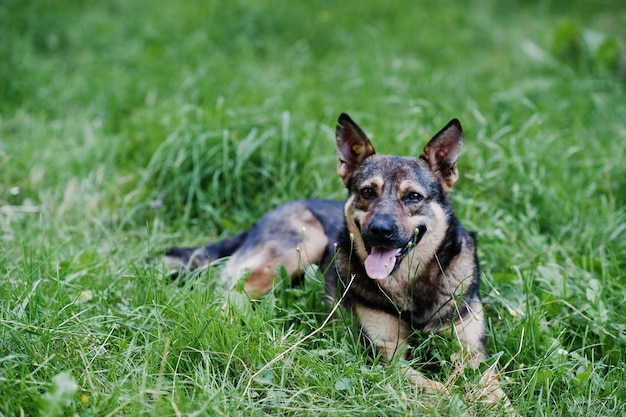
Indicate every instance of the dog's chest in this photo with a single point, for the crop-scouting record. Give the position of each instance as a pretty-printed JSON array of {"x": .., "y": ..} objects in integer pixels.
[
  {"x": 398, "y": 292},
  {"x": 409, "y": 289}
]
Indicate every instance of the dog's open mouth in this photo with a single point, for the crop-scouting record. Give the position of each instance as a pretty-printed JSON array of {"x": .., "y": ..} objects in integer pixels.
[{"x": 383, "y": 262}]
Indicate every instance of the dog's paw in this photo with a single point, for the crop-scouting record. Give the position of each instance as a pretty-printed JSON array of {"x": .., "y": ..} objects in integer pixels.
[
  {"x": 490, "y": 393},
  {"x": 424, "y": 384}
]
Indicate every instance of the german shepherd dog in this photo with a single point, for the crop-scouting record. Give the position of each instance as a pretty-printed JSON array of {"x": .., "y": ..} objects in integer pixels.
[{"x": 395, "y": 250}]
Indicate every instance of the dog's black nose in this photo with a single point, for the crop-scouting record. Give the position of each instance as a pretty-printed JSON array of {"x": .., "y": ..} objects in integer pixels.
[{"x": 382, "y": 227}]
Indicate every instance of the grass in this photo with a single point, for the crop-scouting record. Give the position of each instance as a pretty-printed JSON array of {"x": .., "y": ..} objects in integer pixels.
[{"x": 127, "y": 127}]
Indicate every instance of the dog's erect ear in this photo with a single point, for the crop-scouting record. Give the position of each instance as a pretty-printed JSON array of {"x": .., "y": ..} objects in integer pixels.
[
  {"x": 353, "y": 147},
  {"x": 443, "y": 151}
]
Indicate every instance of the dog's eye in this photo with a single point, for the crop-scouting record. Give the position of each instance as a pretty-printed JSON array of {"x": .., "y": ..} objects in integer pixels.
[
  {"x": 414, "y": 197},
  {"x": 367, "y": 192}
]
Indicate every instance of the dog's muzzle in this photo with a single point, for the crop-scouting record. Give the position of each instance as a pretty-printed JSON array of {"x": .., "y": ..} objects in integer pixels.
[
  {"x": 383, "y": 260},
  {"x": 417, "y": 236}
]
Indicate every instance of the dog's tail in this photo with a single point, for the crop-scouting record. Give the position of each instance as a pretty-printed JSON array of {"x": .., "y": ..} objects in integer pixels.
[{"x": 179, "y": 260}]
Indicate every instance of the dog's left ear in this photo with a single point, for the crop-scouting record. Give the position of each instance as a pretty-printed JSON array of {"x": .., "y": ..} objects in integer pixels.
[
  {"x": 443, "y": 151},
  {"x": 353, "y": 146}
]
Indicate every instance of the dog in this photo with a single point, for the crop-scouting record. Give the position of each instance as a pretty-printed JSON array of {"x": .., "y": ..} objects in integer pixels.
[{"x": 394, "y": 252}]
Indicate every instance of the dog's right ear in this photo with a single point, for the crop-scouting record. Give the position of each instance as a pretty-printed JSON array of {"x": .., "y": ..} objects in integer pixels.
[{"x": 353, "y": 146}]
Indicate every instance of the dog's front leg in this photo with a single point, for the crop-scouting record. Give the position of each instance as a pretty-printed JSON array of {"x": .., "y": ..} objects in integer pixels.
[
  {"x": 470, "y": 332},
  {"x": 390, "y": 334}
]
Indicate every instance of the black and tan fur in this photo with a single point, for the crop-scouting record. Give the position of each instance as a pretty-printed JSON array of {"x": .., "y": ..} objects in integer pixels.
[{"x": 397, "y": 215}]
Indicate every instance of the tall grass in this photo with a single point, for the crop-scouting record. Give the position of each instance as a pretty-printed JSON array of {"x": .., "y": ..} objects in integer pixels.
[{"x": 126, "y": 127}]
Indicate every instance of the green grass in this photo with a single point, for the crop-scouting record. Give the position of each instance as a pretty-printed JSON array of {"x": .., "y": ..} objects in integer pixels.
[{"x": 127, "y": 127}]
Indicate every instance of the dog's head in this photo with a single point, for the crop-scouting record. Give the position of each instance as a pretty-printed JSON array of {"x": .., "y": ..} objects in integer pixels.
[{"x": 395, "y": 202}]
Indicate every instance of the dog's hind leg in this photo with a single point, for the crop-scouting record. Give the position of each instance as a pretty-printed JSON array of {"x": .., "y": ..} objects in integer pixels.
[{"x": 291, "y": 236}]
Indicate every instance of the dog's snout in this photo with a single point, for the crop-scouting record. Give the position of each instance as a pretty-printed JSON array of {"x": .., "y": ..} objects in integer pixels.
[{"x": 383, "y": 227}]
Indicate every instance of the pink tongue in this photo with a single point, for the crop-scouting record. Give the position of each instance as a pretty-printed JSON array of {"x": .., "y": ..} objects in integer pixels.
[{"x": 380, "y": 262}]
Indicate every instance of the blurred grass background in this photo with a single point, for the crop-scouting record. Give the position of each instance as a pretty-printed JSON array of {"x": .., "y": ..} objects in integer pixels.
[{"x": 126, "y": 127}]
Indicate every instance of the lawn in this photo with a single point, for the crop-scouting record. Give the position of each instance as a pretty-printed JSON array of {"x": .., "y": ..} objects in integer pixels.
[{"x": 128, "y": 127}]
